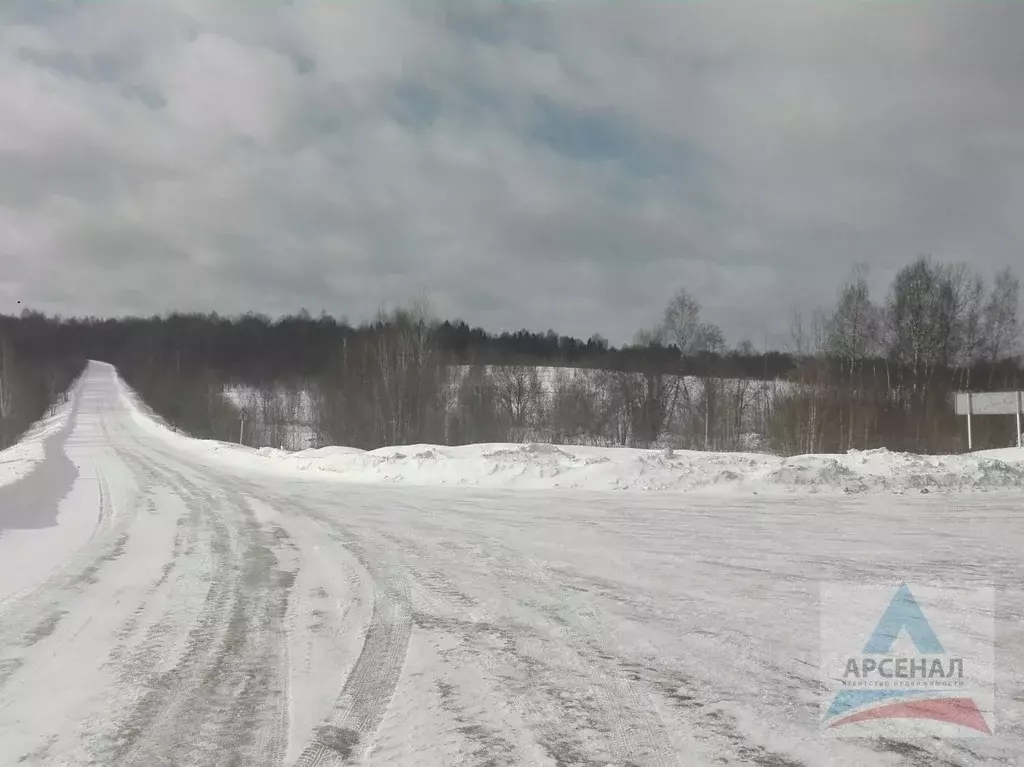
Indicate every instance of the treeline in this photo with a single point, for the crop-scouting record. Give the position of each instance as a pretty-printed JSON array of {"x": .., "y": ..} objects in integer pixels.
[
  {"x": 254, "y": 347},
  {"x": 382, "y": 382},
  {"x": 883, "y": 373},
  {"x": 34, "y": 377},
  {"x": 860, "y": 374}
]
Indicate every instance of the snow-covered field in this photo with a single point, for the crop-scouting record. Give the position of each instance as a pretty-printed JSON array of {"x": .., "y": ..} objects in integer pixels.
[{"x": 195, "y": 603}]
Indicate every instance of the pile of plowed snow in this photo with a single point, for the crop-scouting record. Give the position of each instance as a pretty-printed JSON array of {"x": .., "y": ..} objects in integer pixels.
[
  {"x": 536, "y": 466},
  {"x": 543, "y": 466}
]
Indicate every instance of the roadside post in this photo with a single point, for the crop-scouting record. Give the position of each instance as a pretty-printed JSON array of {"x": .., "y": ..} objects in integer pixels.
[{"x": 972, "y": 404}]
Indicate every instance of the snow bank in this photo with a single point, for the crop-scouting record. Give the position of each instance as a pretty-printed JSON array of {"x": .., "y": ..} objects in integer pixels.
[
  {"x": 19, "y": 459},
  {"x": 538, "y": 466},
  {"x": 543, "y": 466}
]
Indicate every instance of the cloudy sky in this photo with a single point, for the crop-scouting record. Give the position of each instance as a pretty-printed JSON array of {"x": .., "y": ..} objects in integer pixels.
[{"x": 520, "y": 164}]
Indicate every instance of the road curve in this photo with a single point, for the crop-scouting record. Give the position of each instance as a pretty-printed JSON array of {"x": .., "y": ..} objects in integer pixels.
[{"x": 176, "y": 611}]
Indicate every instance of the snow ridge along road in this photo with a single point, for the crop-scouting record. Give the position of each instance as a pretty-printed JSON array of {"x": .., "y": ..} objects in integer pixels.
[{"x": 159, "y": 606}]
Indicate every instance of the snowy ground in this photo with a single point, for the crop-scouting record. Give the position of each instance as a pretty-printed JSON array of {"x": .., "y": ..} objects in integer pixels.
[{"x": 199, "y": 604}]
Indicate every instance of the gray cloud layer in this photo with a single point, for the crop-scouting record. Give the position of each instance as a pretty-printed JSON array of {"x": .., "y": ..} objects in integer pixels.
[{"x": 566, "y": 165}]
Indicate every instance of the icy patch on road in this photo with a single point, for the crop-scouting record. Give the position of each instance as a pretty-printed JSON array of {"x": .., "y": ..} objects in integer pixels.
[{"x": 536, "y": 466}]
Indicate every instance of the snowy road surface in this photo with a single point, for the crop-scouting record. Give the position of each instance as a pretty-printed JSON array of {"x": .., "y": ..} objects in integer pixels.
[{"x": 158, "y": 608}]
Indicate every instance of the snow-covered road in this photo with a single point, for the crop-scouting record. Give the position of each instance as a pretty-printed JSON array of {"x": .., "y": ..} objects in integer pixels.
[{"x": 160, "y": 608}]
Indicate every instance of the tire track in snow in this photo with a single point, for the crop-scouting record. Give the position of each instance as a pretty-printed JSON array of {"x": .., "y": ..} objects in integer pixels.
[
  {"x": 133, "y": 733},
  {"x": 474, "y": 628},
  {"x": 131, "y": 625},
  {"x": 347, "y": 732},
  {"x": 224, "y": 700},
  {"x": 614, "y": 702},
  {"x": 707, "y": 721},
  {"x": 158, "y": 640},
  {"x": 326, "y": 629},
  {"x": 272, "y": 738},
  {"x": 453, "y": 613}
]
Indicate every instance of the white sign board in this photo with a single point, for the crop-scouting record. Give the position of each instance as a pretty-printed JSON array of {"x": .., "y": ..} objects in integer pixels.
[
  {"x": 988, "y": 403},
  {"x": 991, "y": 403}
]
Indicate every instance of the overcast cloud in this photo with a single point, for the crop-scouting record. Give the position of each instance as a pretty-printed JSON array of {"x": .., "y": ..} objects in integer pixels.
[{"x": 565, "y": 165}]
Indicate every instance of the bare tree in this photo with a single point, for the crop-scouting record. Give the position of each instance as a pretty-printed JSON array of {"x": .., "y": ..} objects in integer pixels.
[
  {"x": 852, "y": 330},
  {"x": 683, "y": 327},
  {"x": 411, "y": 378},
  {"x": 476, "y": 414},
  {"x": 745, "y": 348},
  {"x": 6, "y": 379},
  {"x": 853, "y": 334},
  {"x": 271, "y": 418},
  {"x": 577, "y": 408},
  {"x": 622, "y": 405},
  {"x": 802, "y": 425},
  {"x": 807, "y": 338},
  {"x": 519, "y": 396},
  {"x": 388, "y": 385},
  {"x": 7, "y": 374},
  {"x": 929, "y": 314},
  {"x": 1000, "y": 319},
  {"x": 912, "y": 314},
  {"x": 972, "y": 323},
  {"x": 653, "y": 400}
]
